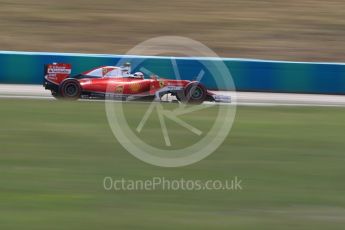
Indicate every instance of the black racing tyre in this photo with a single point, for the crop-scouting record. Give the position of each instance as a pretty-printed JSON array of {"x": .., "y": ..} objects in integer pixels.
[
  {"x": 194, "y": 93},
  {"x": 70, "y": 89}
]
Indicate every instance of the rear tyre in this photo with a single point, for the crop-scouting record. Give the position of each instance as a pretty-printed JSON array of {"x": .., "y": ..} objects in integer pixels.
[
  {"x": 194, "y": 93},
  {"x": 70, "y": 89}
]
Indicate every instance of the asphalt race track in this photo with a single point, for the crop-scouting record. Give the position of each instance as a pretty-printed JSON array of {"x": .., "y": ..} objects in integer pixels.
[{"x": 243, "y": 98}]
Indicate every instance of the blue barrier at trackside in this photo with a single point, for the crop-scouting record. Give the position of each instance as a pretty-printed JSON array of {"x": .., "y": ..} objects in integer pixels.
[{"x": 247, "y": 74}]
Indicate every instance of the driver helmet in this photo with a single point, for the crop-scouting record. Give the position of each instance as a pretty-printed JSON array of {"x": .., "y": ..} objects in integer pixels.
[{"x": 138, "y": 75}]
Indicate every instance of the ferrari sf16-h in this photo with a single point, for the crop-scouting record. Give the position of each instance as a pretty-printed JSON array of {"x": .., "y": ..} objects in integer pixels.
[{"x": 119, "y": 82}]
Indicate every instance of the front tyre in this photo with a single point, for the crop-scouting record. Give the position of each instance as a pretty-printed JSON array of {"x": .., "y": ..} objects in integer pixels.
[
  {"x": 194, "y": 93},
  {"x": 70, "y": 89}
]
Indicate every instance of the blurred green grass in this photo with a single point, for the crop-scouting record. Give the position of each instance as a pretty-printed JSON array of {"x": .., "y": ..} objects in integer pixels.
[
  {"x": 297, "y": 30},
  {"x": 54, "y": 156}
]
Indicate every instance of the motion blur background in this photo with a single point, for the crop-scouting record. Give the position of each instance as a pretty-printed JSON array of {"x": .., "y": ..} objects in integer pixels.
[
  {"x": 54, "y": 155},
  {"x": 298, "y": 30}
]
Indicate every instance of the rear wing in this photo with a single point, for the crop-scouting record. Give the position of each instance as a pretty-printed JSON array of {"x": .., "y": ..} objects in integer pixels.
[{"x": 56, "y": 72}]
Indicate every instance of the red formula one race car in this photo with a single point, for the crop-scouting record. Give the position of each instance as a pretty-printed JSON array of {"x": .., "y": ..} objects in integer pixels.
[{"x": 120, "y": 83}]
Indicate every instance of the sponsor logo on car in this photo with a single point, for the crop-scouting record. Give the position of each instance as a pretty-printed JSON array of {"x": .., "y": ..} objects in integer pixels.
[
  {"x": 135, "y": 87},
  {"x": 106, "y": 70},
  {"x": 58, "y": 69},
  {"x": 161, "y": 84},
  {"x": 119, "y": 89},
  {"x": 52, "y": 77}
]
